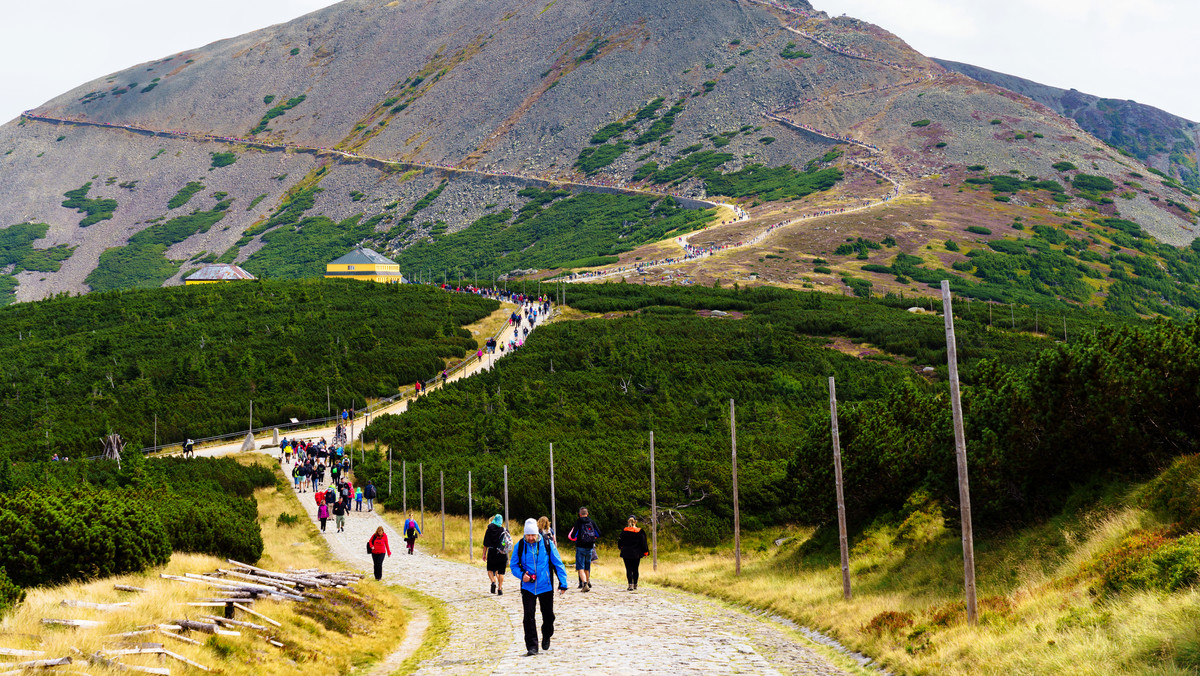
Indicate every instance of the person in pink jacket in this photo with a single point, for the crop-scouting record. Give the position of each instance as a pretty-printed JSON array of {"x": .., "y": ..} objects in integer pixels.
[{"x": 378, "y": 547}]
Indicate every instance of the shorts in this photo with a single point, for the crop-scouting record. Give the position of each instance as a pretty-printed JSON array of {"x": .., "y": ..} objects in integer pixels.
[
  {"x": 497, "y": 561},
  {"x": 583, "y": 558}
]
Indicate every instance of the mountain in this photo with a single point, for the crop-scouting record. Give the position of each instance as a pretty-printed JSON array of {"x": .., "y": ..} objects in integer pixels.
[
  {"x": 465, "y": 138},
  {"x": 1161, "y": 140}
]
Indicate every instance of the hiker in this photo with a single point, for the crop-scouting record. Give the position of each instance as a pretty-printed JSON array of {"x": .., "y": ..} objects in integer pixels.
[
  {"x": 411, "y": 531},
  {"x": 296, "y": 476},
  {"x": 320, "y": 497},
  {"x": 339, "y": 515},
  {"x": 323, "y": 515},
  {"x": 584, "y": 534},
  {"x": 378, "y": 547},
  {"x": 369, "y": 494},
  {"x": 545, "y": 530},
  {"x": 632, "y": 544},
  {"x": 358, "y": 497},
  {"x": 346, "y": 492},
  {"x": 496, "y": 545},
  {"x": 534, "y": 558}
]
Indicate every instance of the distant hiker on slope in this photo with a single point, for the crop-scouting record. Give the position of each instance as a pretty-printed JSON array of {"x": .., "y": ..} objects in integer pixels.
[
  {"x": 496, "y": 546},
  {"x": 378, "y": 547},
  {"x": 584, "y": 534},
  {"x": 632, "y": 543},
  {"x": 532, "y": 561}
]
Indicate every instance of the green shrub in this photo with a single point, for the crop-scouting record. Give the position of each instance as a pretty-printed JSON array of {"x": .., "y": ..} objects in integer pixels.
[
  {"x": 1176, "y": 493},
  {"x": 286, "y": 519},
  {"x": 997, "y": 121},
  {"x": 276, "y": 112},
  {"x": 1064, "y": 166},
  {"x": 922, "y": 123},
  {"x": 1089, "y": 183},
  {"x": 592, "y": 160},
  {"x": 790, "y": 52},
  {"x": 223, "y": 160},
  {"x": 96, "y": 209},
  {"x": 10, "y": 594},
  {"x": 268, "y": 99},
  {"x": 951, "y": 245},
  {"x": 940, "y": 144},
  {"x": 54, "y": 537},
  {"x": 823, "y": 270},
  {"x": 185, "y": 194},
  {"x": 295, "y": 51},
  {"x": 978, "y": 230},
  {"x": 976, "y": 167}
]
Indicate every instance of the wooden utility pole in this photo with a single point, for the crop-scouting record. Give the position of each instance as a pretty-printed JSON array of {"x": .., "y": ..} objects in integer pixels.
[
  {"x": 737, "y": 515},
  {"x": 843, "y": 542},
  {"x": 389, "y": 471},
  {"x": 156, "y": 421},
  {"x": 442, "y": 480},
  {"x": 470, "y": 522},
  {"x": 553, "y": 514},
  {"x": 960, "y": 447},
  {"x": 421, "y": 473},
  {"x": 506, "y": 497},
  {"x": 653, "y": 506},
  {"x": 404, "y": 486},
  {"x": 251, "y": 416}
]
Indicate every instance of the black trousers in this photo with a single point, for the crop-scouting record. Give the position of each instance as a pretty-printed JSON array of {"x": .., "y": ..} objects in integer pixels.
[
  {"x": 323, "y": 524},
  {"x": 378, "y": 558},
  {"x": 530, "y": 600},
  {"x": 631, "y": 570}
]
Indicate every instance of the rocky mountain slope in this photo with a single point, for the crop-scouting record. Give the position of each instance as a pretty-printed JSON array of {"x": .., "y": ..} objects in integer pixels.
[
  {"x": 445, "y": 123},
  {"x": 1164, "y": 141}
]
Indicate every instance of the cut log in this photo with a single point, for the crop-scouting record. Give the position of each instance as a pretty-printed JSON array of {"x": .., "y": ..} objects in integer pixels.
[
  {"x": 128, "y": 588},
  {"x": 183, "y": 639},
  {"x": 244, "y": 609},
  {"x": 236, "y": 623},
  {"x": 192, "y": 625},
  {"x": 88, "y": 624},
  {"x": 14, "y": 652},
  {"x": 69, "y": 603},
  {"x": 40, "y": 663}
]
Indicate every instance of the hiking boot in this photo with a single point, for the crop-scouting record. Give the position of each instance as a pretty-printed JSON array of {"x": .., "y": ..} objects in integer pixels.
[
  {"x": 493, "y": 587},
  {"x": 634, "y": 586},
  {"x": 585, "y": 588},
  {"x": 532, "y": 651},
  {"x": 630, "y": 587},
  {"x": 581, "y": 584},
  {"x": 546, "y": 643},
  {"x": 499, "y": 592},
  {"x": 589, "y": 585}
]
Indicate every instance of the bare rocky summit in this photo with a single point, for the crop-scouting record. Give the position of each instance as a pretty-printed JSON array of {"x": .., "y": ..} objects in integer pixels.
[{"x": 377, "y": 103}]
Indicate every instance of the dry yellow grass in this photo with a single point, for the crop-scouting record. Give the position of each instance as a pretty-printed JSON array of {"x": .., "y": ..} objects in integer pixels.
[{"x": 311, "y": 647}]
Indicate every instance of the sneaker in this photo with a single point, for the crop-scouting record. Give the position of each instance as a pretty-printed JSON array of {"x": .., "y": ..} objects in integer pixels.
[
  {"x": 546, "y": 643},
  {"x": 493, "y": 587},
  {"x": 532, "y": 651},
  {"x": 585, "y": 588},
  {"x": 589, "y": 585},
  {"x": 581, "y": 584},
  {"x": 499, "y": 592}
]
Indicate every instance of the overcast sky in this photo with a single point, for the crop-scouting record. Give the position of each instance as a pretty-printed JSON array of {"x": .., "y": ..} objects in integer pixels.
[{"x": 1143, "y": 50}]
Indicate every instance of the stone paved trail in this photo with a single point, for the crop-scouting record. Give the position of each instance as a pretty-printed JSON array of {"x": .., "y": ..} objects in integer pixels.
[{"x": 606, "y": 631}]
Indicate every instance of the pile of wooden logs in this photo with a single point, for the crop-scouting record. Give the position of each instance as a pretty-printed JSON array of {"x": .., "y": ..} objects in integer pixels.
[{"x": 235, "y": 588}]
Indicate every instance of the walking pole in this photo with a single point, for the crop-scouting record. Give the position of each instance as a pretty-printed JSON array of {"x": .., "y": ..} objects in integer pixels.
[
  {"x": 553, "y": 515},
  {"x": 470, "y": 522},
  {"x": 737, "y": 516},
  {"x": 960, "y": 447},
  {"x": 442, "y": 480},
  {"x": 843, "y": 543},
  {"x": 653, "y": 506}
]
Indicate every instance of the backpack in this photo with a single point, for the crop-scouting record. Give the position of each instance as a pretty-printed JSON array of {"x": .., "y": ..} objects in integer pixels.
[
  {"x": 550, "y": 561},
  {"x": 369, "y": 493},
  {"x": 506, "y": 543},
  {"x": 588, "y": 534}
]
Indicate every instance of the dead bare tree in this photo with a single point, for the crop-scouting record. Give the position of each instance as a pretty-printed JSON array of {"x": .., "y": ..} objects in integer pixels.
[{"x": 113, "y": 446}]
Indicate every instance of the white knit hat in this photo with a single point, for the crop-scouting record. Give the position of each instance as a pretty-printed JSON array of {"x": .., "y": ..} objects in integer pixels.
[{"x": 531, "y": 527}]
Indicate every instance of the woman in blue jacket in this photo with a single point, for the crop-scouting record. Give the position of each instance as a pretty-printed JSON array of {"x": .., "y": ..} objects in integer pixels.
[{"x": 532, "y": 560}]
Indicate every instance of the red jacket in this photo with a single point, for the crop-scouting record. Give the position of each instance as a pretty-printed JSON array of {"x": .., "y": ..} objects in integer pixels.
[
  {"x": 379, "y": 544},
  {"x": 320, "y": 497}
]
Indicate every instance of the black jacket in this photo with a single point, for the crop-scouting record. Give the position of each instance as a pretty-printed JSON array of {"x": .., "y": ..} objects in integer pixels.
[
  {"x": 493, "y": 536},
  {"x": 577, "y": 532},
  {"x": 632, "y": 543}
]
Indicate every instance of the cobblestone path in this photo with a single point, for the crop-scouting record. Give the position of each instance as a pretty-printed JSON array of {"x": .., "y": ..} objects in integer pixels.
[{"x": 605, "y": 631}]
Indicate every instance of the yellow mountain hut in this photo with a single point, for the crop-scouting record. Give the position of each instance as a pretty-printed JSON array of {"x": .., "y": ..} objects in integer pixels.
[{"x": 367, "y": 265}]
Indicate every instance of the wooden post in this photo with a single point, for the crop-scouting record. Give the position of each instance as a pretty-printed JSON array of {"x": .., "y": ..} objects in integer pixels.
[
  {"x": 960, "y": 447},
  {"x": 156, "y": 415},
  {"x": 737, "y": 515},
  {"x": 553, "y": 515},
  {"x": 251, "y": 416},
  {"x": 843, "y": 543},
  {"x": 404, "y": 486},
  {"x": 653, "y": 507},
  {"x": 389, "y": 471},
  {"x": 442, "y": 480},
  {"x": 470, "y": 522},
  {"x": 421, "y": 474},
  {"x": 506, "y": 497}
]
